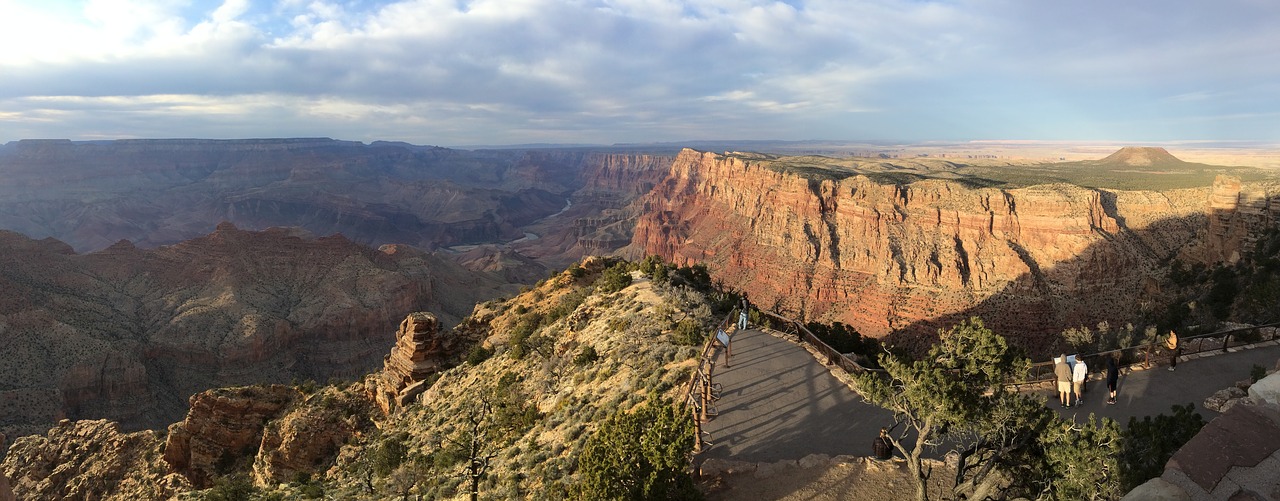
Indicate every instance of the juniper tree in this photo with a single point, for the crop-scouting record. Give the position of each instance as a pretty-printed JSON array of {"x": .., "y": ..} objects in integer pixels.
[{"x": 951, "y": 390}]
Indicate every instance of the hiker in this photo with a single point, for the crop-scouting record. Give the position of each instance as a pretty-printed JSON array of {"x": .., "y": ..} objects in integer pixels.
[
  {"x": 1078, "y": 376},
  {"x": 1063, "y": 373},
  {"x": 742, "y": 320},
  {"x": 1172, "y": 344},
  {"x": 881, "y": 446},
  {"x": 1113, "y": 376}
]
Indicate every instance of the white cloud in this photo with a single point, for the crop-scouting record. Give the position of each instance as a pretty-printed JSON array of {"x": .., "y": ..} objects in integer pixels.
[{"x": 614, "y": 69}]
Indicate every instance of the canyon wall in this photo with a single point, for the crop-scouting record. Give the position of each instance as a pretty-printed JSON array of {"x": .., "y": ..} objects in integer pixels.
[
  {"x": 911, "y": 258},
  {"x": 128, "y": 334}
]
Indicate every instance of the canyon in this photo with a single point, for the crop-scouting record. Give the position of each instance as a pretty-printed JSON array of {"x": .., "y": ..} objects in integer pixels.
[
  {"x": 828, "y": 240},
  {"x": 138, "y": 309},
  {"x": 92, "y": 194},
  {"x": 129, "y": 334}
]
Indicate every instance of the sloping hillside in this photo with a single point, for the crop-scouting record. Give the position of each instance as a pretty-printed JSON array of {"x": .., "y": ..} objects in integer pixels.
[{"x": 549, "y": 366}]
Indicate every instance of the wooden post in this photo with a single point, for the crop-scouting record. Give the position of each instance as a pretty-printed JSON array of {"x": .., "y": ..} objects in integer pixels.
[
  {"x": 706, "y": 388},
  {"x": 697, "y": 434}
]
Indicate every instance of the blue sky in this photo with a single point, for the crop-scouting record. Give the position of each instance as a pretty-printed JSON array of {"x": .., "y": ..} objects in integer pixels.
[{"x": 455, "y": 72}]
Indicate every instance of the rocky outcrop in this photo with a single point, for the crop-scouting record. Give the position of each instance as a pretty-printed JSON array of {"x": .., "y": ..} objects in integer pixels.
[
  {"x": 89, "y": 460},
  {"x": 835, "y": 245},
  {"x": 128, "y": 333},
  {"x": 421, "y": 350},
  {"x": 1237, "y": 215},
  {"x": 6, "y": 491},
  {"x": 307, "y": 438},
  {"x": 223, "y": 431}
]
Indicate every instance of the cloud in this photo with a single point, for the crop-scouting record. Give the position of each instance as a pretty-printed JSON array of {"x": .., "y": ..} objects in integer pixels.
[{"x": 491, "y": 71}]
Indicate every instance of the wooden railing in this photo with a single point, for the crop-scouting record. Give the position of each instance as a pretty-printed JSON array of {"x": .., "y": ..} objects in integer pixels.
[
  {"x": 1151, "y": 353},
  {"x": 703, "y": 391},
  {"x": 825, "y": 351}
]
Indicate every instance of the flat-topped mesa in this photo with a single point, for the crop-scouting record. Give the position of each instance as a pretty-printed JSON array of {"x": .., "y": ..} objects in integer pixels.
[
  {"x": 421, "y": 350},
  {"x": 1141, "y": 156}
]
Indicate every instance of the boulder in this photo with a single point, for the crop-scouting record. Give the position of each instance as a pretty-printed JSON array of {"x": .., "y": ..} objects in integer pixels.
[
  {"x": 1157, "y": 489},
  {"x": 1220, "y": 398},
  {"x": 1266, "y": 389}
]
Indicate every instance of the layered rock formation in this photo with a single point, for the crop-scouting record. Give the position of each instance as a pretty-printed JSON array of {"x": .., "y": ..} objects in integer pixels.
[
  {"x": 129, "y": 334},
  {"x": 224, "y": 426},
  {"x": 421, "y": 350},
  {"x": 308, "y": 437},
  {"x": 829, "y": 243},
  {"x": 89, "y": 460}
]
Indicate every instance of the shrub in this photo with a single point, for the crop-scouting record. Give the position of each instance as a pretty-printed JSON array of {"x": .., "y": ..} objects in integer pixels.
[
  {"x": 688, "y": 333},
  {"x": 1148, "y": 444},
  {"x": 1257, "y": 372},
  {"x": 389, "y": 454},
  {"x": 639, "y": 455},
  {"x": 237, "y": 488},
  {"x": 614, "y": 279},
  {"x": 478, "y": 354},
  {"x": 586, "y": 356}
]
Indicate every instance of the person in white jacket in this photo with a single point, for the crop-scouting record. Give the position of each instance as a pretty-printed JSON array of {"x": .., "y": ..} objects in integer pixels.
[{"x": 1078, "y": 375}]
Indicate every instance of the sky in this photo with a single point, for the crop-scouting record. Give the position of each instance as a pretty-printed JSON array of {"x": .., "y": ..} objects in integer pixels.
[{"x": 460, "y": 72}]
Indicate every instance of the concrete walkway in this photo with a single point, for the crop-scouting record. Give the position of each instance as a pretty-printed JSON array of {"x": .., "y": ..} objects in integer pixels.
[
  {"x": 779, "y": 403},
  {"x": 1154, "y": 391}
]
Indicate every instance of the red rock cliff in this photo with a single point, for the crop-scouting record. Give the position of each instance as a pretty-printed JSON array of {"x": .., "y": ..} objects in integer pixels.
[{"x": 889, "y": 257}]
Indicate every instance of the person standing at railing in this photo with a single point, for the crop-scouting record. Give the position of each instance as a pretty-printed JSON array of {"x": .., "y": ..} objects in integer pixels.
[
  {"x": 1173, "y": 346},
  {"x": 1063, "y": 373},
  {"x": 1078, "y": 375},
  {"x": 1113, "y": 376}
]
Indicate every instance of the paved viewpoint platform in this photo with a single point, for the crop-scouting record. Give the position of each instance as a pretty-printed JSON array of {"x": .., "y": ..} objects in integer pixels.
[
  {"x": 1153, "y": 391},
  {"x": 779, "y": 403}
]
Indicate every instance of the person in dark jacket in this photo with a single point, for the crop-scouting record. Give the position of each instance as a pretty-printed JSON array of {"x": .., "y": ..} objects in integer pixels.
[
  {"x": 881, "y": 446},
  {"x": 1113, "y": 376}
]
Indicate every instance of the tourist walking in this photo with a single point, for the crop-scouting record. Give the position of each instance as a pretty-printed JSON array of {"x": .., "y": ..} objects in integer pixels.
[
  {"x": 1063, "y": 374},
  {"x": 1078, "y": 375},
  {"x": 1113, "y": 376},
  {"x": 1172, "y": 344}
]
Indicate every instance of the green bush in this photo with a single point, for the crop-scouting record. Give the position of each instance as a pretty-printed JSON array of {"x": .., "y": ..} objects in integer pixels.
[
  {"x": 237, "y": 488},
  {"x": 1257, "y": 372},
  {"x": 614, "y": 279},
  {"x": 478, "y": 354},
  {"x": 586, "y": 356},
  {"x": 640, "y": 455},
  {"x": 688, "y": 333},
  {"x": 389, "y": 454},
  {"x": 1148, "y": 444}
]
